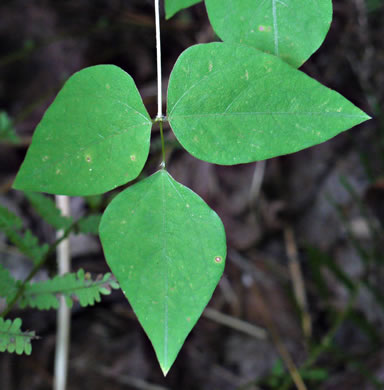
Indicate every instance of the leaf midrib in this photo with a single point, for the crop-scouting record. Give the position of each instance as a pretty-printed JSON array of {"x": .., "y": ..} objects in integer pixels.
[
  {"x": 166, "y": 282},
  {"x": 287, "y": 113}
]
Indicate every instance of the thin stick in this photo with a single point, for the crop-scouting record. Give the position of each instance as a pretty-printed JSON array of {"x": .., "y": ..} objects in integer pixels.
[
  {"x": 297, "y": 280},
  {"x": 63, "y": 314},
  {"x": 158, "y": 60},
  {"x": 257, "y": 181},
  {"x": 235, "y": 323}
]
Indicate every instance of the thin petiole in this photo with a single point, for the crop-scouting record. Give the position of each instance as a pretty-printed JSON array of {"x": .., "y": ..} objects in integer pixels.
[
  {"x": 158, "y": 60},
  {"x": 159, "y": 117},
  {"x": 162, "y": 142}
]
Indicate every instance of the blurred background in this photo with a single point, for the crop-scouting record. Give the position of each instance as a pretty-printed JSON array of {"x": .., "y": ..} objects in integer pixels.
[{"x": 305, "y": 267}]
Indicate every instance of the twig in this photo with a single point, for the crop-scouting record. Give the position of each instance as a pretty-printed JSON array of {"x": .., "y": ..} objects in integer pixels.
[
  {"x": 64, "y": 313},
  {"x": 297, "y": 280},
  {"x": 257, "y": 181},
  {"x": 235, "y": 323},
  {"x": 135, "y": 383}
]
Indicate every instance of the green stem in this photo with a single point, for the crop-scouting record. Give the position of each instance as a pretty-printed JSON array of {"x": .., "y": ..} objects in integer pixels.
[
  {"x": 162, "y": 141},
  {"x": 35, "y": 269}
]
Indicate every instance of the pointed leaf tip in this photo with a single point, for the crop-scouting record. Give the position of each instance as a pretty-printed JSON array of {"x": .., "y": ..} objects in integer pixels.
[
  {"x": 165, "y": 370},
  {"x": 258, "y": 106},
  {"x": 161, "y": 240}
]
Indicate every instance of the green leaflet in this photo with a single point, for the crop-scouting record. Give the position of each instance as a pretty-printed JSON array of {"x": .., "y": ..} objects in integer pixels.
[
  {"x": 93, "y": 138},
  {"x": 230, "y": 104},
  {"x": 28, "y": 244},
  {"x": 167, "y": 249},
  {"x": 46, "y": 208},
  {"x": 174, "y": 6},
  {"x": 290, "y": 29},
  {"x": 8, "y": 285},
  {"x": 44, "y": 295},
  {"x": 9, "y": 220},
  {"x": 12, "y": 339}
]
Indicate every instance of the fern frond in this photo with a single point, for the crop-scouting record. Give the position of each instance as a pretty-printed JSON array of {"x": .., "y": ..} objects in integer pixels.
[
  {"x": 9, "y": 220},
  {"x": 90, "y": 224},
  {"x": 79, "y": 286},
  {"x": 28, "y": 243},
  {"x": 46, "y": 208},
  {"x": 7, "y": 129},
  {"x": 13, "y": 339},
  {"x": 8, "y": 285}
]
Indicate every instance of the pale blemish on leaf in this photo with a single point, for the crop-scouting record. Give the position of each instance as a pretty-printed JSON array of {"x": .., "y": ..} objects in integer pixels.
[
  {"x": 107, "y": 86},
  {"x": 218, "y": 259},
  {"x": 58, "y": 171},
  {"x": 133, "y": 157},
  {"x": 210, "y": 67},
  {"x": 262, "y": 28},
  {"x": 246, "y": 75},
  {"x": 184, "y": 269},
  {"x": 45, "y": 158},
  {"x": 88, "y": 159}
]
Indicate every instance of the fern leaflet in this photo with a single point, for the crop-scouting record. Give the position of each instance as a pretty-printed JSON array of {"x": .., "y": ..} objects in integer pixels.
[
  {"x": 79, "y": 286},
  {"x": 9, "y": 220},
  {"x": 7, "y": 129},
  {"x": 89, "y": 225},
  {"x": 28, "y": 243},
  {"x": 13, "y": 339},
  {"x": 8, "y": 285},
  {"x": 46, "y": 208}
]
